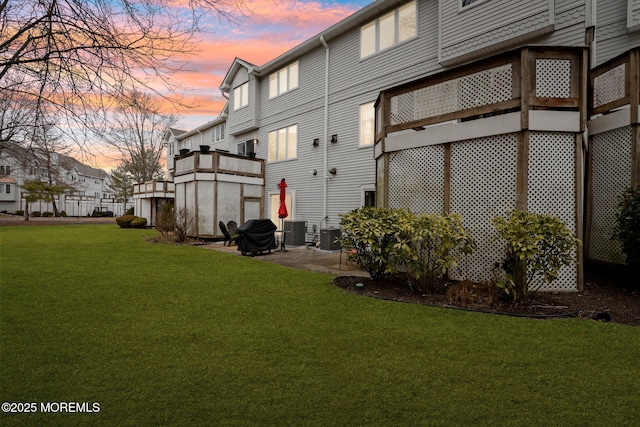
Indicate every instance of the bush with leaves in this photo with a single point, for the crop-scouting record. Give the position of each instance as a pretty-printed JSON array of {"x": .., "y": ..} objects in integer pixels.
[
  {"x": 435, "y": 243},
  {"x": 627, "y": 227},
  {"x": 124, "y": 221},
  {"x": 538, "y": 246},
  {"x": 371, "y": 234},
  {"x": 139, "y": 222}
]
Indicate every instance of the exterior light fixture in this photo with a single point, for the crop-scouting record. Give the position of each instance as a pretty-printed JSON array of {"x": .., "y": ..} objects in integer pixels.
[
  {"x": 333, "y": 171},
  {"x": 334, "y": 138},
  {"x": 316, "y": 142}
]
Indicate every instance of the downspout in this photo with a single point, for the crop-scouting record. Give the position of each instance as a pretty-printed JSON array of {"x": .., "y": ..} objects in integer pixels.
[{"x": 325, "y": 193}]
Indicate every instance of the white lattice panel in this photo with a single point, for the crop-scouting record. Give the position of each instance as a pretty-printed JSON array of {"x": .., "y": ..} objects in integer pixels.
[
  {"x": 474, "y": 90},
  {"x": 416, "y": 178},
  {"x": 611, "y": 175},
  {"x": 609, "y": 86},
  {"x": 553, "y": 78},
  {"x": 483, "y": 185},
  {"x": 551, "y": 190}
]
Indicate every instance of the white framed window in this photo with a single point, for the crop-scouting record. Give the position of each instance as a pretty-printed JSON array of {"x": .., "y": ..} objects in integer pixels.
[
  {"x": 274, "y": 206},
  {"x": 241, "y": 96},
  {"x": 8, "y": 189},
  {"x": 247, "y": 148},
  {"x": 217, "y": 133},
  {"x": 368, "y": 195},
  {"x": 388, "y": 30},
  {"x": 283, "y": 80},
  {"x": 367, "y": 123},
  {"x": 283, "y": 144}
]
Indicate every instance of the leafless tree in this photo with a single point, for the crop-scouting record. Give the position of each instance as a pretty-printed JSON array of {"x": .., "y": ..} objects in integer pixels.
[
  {"x": 76, "y": 57},
  {"x": 136, "y": 127}
]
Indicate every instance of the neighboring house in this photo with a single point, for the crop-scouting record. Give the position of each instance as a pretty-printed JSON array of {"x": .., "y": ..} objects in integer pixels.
[
  {"x": 88, "y": 192},
  {"x": 451, "y": 103}
]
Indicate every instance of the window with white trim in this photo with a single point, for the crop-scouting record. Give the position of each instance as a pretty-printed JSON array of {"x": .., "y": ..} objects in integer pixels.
[
  {"x": 283, "y": 80},
  {"x": 247, "y": 148},
  {"x": 217, "y": 133},
  {"x": 367, "y": 122},
  {"x": 241, "y": 96},
  {"x": 283, "y": 144},
  {"x": 389, "y": 30}
]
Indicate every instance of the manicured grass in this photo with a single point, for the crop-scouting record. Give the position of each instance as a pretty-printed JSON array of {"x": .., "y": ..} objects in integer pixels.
[{"x": 171, "y": 335}]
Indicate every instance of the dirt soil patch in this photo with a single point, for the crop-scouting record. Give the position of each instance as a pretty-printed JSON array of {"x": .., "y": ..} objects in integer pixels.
[{"x": 604, "y": 298}]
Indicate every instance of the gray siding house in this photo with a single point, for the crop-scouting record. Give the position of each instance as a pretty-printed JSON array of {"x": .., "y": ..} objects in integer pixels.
[{"x": 322, "y": 114}]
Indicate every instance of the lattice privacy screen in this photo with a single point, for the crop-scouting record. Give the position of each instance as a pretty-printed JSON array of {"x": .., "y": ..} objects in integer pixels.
[
  {"x": 483, "y": 185},
  {"x": 553, "y": 78},
  {"x": 474, "y": 90},
  {"x": 551, "y": 190},
  {"x": 609, "y": 86},
  {"x": 611, "y": 175},
  {"x": 416, "y": 179}
]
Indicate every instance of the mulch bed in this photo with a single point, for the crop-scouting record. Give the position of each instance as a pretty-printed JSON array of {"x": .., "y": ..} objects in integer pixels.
[{"x": 609, "y": 300}]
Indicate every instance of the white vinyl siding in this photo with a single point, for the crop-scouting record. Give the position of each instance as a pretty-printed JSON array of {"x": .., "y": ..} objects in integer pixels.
[
  {"x": 241, "y": 96},
  {"x": 283, "y": 144},
  {"x": 283, "y": 80},
  {"x": 366, "y": 124},
  {"x": 389, "y": 30},
  {"x": 465, "y": 3}
]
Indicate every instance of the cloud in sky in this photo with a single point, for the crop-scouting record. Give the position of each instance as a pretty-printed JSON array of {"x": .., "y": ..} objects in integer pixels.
[{"x": 266, "y": 29}]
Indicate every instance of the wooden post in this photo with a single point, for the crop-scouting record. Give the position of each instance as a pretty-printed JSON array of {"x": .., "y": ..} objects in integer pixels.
[
  {"x": 446, "y": 204},
  {"x": 522, "y": 171}
]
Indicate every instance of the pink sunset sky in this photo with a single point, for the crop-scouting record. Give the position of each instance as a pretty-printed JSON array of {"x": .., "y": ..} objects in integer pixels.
[{"x": 266, "y": 29}]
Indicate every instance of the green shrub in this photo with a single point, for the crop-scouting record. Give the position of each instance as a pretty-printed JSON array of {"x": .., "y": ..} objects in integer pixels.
[
  {"x": 371, "y": 234},
  {"x": 96, "y": 214},
  {"x": 129, "y": 211},
  {"x": 627, "y": 228},
  {"x": 20, "y": 212},
  {"x": 538, "y": 245},
  {"x": 139, "y": 222},
  {"x": 47, "y": 214},
  {"x": 36, "y": 214},
  {"x": 63, "y": 214},
  {"x": 125, "y": 221},
  {"x": 435, "y": 243}
]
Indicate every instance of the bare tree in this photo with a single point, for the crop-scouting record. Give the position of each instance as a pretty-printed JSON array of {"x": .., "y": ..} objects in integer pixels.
[
  {"x": 121, "y": 184},
  {"x": 75, "y": 57},
  {"x": 46, "y": 141},
  {"x": 136, "y": 128}
]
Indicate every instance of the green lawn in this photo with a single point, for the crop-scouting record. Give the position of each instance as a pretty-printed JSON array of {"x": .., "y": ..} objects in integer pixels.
[{"x": 172, "y": 335}]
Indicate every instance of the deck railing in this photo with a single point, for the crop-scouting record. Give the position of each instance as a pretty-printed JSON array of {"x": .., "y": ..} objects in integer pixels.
[
  {"x": 218, "y": 162},
  {"x": 539, "y": 78}
]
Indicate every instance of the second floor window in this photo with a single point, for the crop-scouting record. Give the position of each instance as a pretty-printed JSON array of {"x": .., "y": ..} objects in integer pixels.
[
  {"x": 246, "y": 148},
  {"x": 283, "y": 80},
  {"x": 5, "y": 170},
  {"x": 241, "y": 96},
  {"x": 389, "y": 30},
  {"x": 217, "y": 133},
  {"x": 367, "y": 113},
  {"x": 283, "y": 144}
]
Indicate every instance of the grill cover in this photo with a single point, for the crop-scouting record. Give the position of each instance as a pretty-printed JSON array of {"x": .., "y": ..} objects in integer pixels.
[{"x": 257, "y": 235}]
